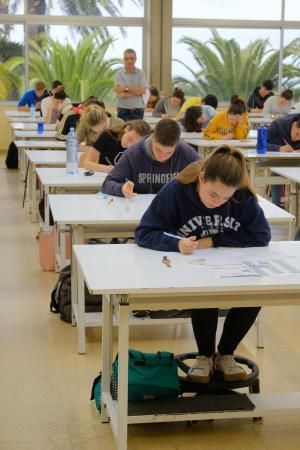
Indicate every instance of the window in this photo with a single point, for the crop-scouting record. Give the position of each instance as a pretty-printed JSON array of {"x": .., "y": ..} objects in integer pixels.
[
  {"x": 233, "y": 9},
  {"x": 292, "y": 10},
  {"x": 11, "y": 61},
  {"x": 108, "y": 8},
  {"x": 12, "y": 7},
  {"x": 84, "y": 62},
  {"x": 223, "y": 61}
]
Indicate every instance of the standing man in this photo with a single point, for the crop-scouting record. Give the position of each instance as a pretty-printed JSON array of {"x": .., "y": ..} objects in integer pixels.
[{"x": 130, "y": 86}]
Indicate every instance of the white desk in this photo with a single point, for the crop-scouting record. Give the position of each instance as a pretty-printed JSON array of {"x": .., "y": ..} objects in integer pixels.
[
  {"x": 57, "y": 178},
  {"x": 90, "y": 216},
  {"x": 38, "y": 144},
  {"x": 152, "y": 120},
  {"x": 17, "y": 113},
  {"x": 134, "y": 278},
  {"x": 33, "y": 134},
  {"x": 268, "y": 160},
  {"x": 207, "y": 145},
  {"x": 261, "y": 120},
  {"x": 31, "y": 126},
  {"x": 24, "y": 119},
  {"x": 292, "y": 174},
  {"x": 43, "y": 158}
]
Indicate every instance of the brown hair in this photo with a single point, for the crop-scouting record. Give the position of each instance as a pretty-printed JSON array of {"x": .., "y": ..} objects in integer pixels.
[
  {"x": 287, "y": 94},
  {"x": 237, "y": 106},
  {"x": 225, "y": 163},
  {"x": 94, "y": 115},
  {"x": 39, "y": 85},
  {"x": 178, "y": 93},
  {"x": 167, "y": 132},
  {"x": 139, "y": 126}
]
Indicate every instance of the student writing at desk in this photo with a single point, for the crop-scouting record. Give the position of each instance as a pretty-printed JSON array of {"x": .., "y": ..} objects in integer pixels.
[
  {"x": 231, "y": 124},
  {"x": 111, "y": 144},
  {"x": 209, "y": 204},
  {"x": 151, "y": 163},
  {"x": 283, "y": 135}
]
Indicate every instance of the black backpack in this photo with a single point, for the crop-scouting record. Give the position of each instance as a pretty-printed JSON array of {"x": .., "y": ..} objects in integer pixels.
[
  {"x": 61, "y": 297},
  {"x": 11, "y": 160}
]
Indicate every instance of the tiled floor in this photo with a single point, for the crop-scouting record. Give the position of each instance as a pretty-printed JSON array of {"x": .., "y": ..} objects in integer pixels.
[{"x": 45, "y": 384}]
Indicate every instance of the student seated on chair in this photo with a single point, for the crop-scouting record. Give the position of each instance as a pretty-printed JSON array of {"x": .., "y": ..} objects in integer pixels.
[
  {"x": 32, "y": 97},
  {"x": 279, "y": 105},
  {"x": 57, "y": 102},
  {"x": 196, "y": 118},
  {"x": 231, "y": 124},
  {"x": 283, "y": 136},
  {"x": 258, "y": 97},
  {"x": 151, "y": 163},
  {"x": 209, "y": 204},
  {"x": 153, "y": 99},
  {"x": 209, "y": 100},
  {"x": 109, "y": 147},
  {"x": 46, "y": 101},
  {"x": 168, "y": 107}
]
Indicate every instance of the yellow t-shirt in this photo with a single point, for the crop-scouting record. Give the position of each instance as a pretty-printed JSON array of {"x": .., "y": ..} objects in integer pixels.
[
  {"x": 192, "y": 101},
  {"x": 219, "y": 126}
]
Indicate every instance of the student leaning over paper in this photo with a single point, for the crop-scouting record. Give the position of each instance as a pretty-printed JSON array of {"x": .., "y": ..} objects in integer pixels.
[{"x": 209, "y": 204}]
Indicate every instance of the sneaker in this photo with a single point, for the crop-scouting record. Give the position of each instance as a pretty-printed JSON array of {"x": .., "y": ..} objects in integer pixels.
[
  {"x": 201, "y": 370},
  {"x": 226, "y": 366}
]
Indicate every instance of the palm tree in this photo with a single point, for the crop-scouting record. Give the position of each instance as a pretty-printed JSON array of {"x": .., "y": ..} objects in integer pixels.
[
  {"x": 84, "y": 70},
  {"x": 225, "y": 68},
  {"x": 11, "y": 78}
]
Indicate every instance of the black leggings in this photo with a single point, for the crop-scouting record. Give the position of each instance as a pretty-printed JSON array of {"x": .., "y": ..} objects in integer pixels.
[{"x": 237, "y": 323}]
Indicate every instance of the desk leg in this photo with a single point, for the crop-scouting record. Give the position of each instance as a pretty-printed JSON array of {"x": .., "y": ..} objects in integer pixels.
[
  {"x": 81, "y": 311},
  {"x": 46, "y": 208},
  {"x": 252, "y": 172},
  {"x": 107, "y": 305},
  {"x": 260, "y": 322},
  {"x": 122, "y": 407},
  {"x": 74, "y": 297},
  {"x": 32, "y": 175}
]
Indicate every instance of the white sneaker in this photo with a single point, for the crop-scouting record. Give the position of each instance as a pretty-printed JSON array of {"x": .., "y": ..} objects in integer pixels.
[
  {"x": 226, "y": 366},
  {"x": 201, "y": 369}
]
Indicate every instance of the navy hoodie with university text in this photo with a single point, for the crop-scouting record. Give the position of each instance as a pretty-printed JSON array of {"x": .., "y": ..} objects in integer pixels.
[
  {"x": 279, "y": 131},
  {"x": 147, "y": 174},
  {"x": 177, "y": 209}
]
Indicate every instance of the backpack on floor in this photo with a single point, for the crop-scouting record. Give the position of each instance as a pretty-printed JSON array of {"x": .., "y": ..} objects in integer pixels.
[
  {"x": 11, "y": 160},
  {"x": 61, "y": 297},
  {"x": 150, "y": 376}
]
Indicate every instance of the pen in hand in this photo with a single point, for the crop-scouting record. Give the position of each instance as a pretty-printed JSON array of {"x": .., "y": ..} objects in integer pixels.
[{"x": 289, "y": 146}]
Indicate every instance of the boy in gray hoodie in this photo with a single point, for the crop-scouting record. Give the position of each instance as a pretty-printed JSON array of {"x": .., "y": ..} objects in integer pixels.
[{"x": 151, "y": 163}]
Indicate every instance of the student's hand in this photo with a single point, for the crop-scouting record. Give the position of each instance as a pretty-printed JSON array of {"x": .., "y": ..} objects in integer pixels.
[
  {"x": 228, "y": 136},
  {"x": 285, "y": 149},
  {"x": 205, "y": 243},
  {"x": 127, "y": 189},
  {"x": 188, "y": 245},
  {"x": 109, "y": 168}
]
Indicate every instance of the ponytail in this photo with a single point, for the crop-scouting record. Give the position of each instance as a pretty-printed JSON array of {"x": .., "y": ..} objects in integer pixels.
[{"x": 226, "y": 164}]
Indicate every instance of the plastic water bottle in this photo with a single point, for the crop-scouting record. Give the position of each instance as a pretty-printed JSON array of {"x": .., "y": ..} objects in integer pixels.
[
  {"x": 32, "y": 112},
  {"x": 261, "y": 144},
  {"x": 40, "y": 126},
  {"x": 72, "y": 152}
]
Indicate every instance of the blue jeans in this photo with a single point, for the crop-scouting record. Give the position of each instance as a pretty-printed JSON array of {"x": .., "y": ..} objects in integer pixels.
[{"x": 130, "y": 114}]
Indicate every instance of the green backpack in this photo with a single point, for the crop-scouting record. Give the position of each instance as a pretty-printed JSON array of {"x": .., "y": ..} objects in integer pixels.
[{"x": 150, "y": 375}]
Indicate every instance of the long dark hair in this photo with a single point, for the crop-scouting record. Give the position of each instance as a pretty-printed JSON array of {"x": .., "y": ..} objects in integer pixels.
[{"x": 190, "y": 119}]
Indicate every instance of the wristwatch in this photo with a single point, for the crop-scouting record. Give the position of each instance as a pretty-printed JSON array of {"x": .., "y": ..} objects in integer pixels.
[{"x": 126, "y": 89}]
